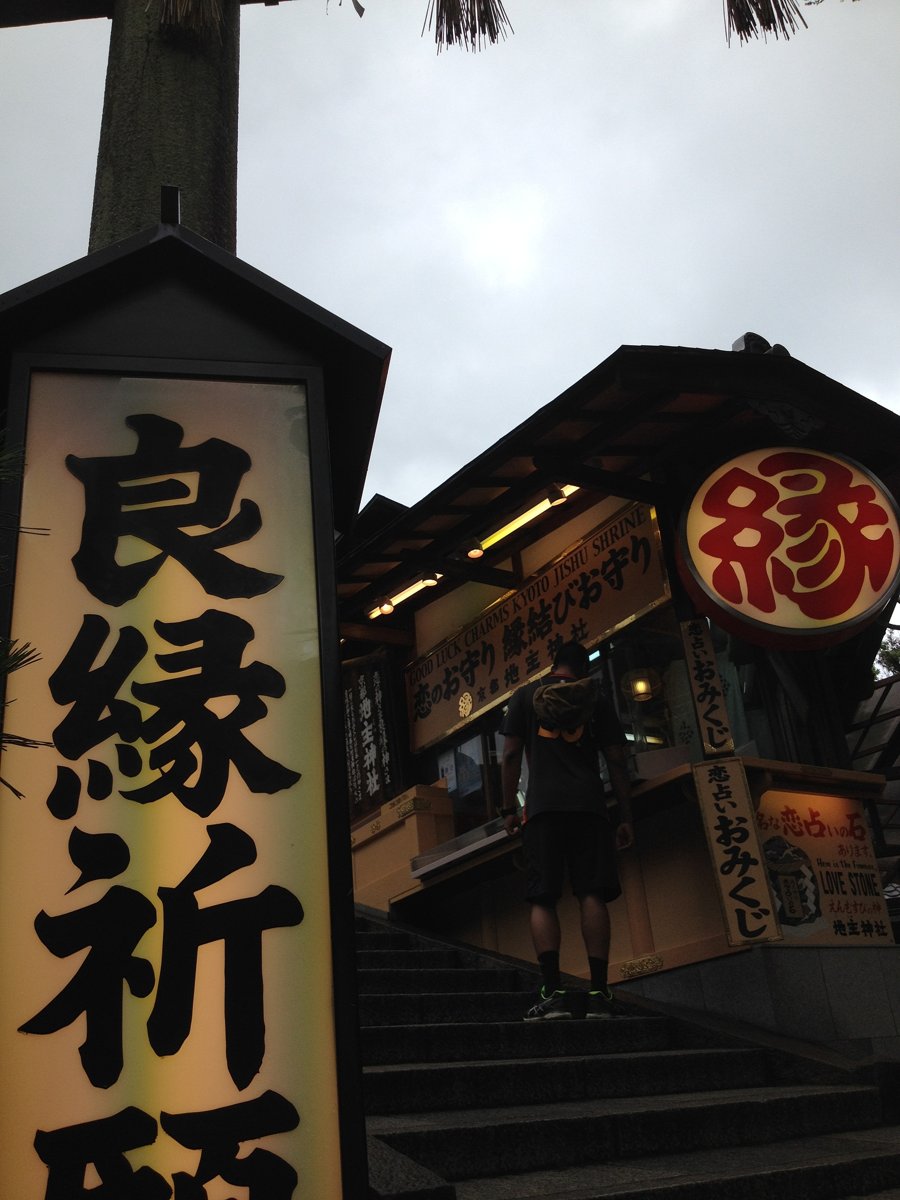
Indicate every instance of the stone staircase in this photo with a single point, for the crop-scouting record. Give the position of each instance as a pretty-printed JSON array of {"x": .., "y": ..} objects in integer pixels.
[{"x": 465, "y": 1101}]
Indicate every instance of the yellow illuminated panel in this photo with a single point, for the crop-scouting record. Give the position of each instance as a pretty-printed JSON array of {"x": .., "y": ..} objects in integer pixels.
[
  {"x": 164, "y": 889},
  {"x": 524, "y": 518},
  {"x": 822, "y": 869},
  {"x": 412, "y": 590}
]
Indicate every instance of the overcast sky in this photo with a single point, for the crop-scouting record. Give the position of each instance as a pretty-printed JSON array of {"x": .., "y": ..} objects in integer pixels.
[{"x": 612, "y": 174}]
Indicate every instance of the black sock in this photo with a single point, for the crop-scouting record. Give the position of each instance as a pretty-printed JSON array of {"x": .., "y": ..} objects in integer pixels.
[
  {"x": 599, "y": 968},
  {"x": 549, "y": 964}
]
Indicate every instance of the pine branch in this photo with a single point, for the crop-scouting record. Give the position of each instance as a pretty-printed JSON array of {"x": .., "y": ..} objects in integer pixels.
[
  {"x": 11, "y": 464},
  {"x": 27, "y": 743},
  {"x": 12, "y": 739},
  {"x": 467, "y": 23},
  {"x": 15, "y": 655},
  {"x": 750, "y": 18},
  {"x": 15, "y": 739}
]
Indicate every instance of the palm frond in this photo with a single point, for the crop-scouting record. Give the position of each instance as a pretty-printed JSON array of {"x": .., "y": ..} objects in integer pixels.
[
  {"x": 750, "y": 18},
  {"x": 199, "y": 16},
  {"x": 467, "y": 23}
]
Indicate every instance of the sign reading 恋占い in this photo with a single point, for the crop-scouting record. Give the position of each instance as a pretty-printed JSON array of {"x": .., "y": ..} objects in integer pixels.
[
  {"x": 729, "y": 821},
  {"x": 612, "y": 577}
]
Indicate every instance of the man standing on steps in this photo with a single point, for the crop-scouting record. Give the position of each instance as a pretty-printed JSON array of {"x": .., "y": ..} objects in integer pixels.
[{"x": 561, "y": 724}]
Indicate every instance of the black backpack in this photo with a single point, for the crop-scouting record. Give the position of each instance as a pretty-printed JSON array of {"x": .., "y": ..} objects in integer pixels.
[{"x": 566, "y": 704}]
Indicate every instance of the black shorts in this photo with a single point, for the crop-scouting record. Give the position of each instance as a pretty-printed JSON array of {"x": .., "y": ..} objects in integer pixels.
[{"x": 581, "y": 845}]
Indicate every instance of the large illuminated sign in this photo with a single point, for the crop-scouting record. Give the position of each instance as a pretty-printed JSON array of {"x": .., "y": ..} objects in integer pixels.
[
  {"x": 166, "y": 1015},
  {"x": 789, "y": 546}
]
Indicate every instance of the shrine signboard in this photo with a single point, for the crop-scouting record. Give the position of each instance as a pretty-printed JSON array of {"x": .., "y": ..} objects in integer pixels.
[
  {"x": 791, "y": 866},
  {"x": 726, "y": 808},
  {"x": 167, "y": 1015},
  {"x": 612, "y": 577},
  {"x": 373, "y": 764},
  {"x": 707, "y": 691},
  {"x": 822, "y": 869},
  {"x": 791, "y": 548}
]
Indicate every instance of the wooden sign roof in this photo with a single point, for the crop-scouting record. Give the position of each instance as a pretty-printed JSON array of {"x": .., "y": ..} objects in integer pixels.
[
  {"x": 168, "y": 292},
  {"x": 642, "y": 425}
]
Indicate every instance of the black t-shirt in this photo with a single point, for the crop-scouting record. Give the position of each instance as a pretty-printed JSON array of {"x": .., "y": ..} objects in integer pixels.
[{"x": 563, "y": 768}]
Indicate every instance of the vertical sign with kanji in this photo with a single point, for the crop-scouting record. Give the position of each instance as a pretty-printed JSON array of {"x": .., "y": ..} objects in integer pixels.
[
  {"x": 730, "y": 824},
  {"x": 370, "y": 742},
  {"x": 166, "y": 1013},
  {"x": 707, "y": 691}
]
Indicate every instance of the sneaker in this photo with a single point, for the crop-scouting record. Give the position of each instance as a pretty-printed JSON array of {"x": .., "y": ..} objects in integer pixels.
[
  {"x": 554, "y": 1007},
  {"x": 600, "y": 1006}
]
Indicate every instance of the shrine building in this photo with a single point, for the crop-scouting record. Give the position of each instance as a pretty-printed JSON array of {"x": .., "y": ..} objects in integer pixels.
[{"x": 719, "y": 529}]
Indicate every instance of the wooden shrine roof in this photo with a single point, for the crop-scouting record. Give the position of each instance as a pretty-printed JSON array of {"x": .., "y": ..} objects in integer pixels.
[{"x": 646, "y": 424}]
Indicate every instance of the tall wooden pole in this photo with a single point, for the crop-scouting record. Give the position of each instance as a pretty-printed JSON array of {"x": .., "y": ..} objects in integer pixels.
[{"x": 170, "y": 116}]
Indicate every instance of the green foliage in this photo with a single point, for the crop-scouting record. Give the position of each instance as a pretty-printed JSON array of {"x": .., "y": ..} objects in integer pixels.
[{"x": 887, "y": 661}]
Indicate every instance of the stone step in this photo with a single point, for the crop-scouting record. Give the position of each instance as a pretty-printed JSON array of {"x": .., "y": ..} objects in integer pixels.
[
  {"x": 393, "y": 1176},
  {"x": 444, "y": 981},
  {"x": 385, "y": 1044},
  {"x": 386, "y": 939},
  {"x": 404, "y": 941},
  {"x": 429, "y": 1004},
  {"x": 641, "y": 1106},
  {"x": 477, "y": 1142},
  {"x": 839, "y": 1166},
  {"x": 435, "y": 1009},
  {"x": 406, "y": 958},
  {"x": 421, "y": 1087}
]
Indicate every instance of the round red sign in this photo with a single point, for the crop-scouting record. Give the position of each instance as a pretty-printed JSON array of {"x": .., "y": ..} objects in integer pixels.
[{"x": 791, "y": 544}]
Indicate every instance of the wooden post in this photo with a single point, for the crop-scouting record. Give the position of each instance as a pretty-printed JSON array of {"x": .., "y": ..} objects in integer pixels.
[{"x": 170, "y": 117}]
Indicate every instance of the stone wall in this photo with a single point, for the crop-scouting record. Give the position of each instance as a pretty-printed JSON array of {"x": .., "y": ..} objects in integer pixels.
[{"x": 846, "y": 999}]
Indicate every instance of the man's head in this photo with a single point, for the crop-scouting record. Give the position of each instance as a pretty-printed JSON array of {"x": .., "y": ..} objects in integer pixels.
[{"x": 572, "y": 658}]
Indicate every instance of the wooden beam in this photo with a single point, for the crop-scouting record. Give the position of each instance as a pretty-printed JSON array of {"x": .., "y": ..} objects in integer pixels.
[
  {"x": 630, "y": 487},
  {"x": 480, "y": 572},
  {"x": 375, "y": 631},
  {"x": 48, "y": 12}
]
